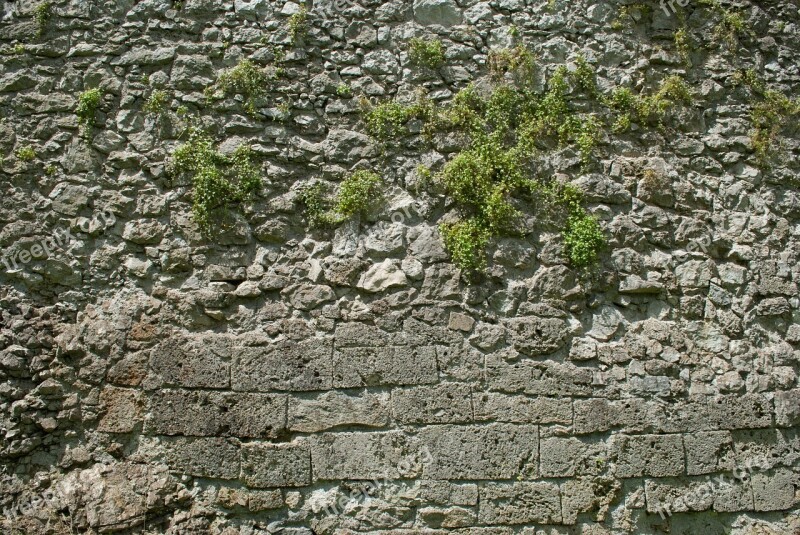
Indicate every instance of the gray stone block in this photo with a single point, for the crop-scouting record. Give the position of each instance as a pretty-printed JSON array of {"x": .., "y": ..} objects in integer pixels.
[
  {"x": 535, "y": 336},
  {"x": 732, "y": 496},
  {"x": 335, "y": 409},
  {"x": 121, "y": 410},
  {"x": 546, "y": 378},
  {"x": 203, "y": 457},
  {"x": 435, "y": 404},
  {"x": 648, "y": 455},
  {"x": 376, "y": 366},
  {"x": 787, "y": 408},
  {"x": 567, "y": 457},
  {"x": 775, "y": 490},
  {"x": 668, "y": 496},
  {"x": 287, "y": 365},
  {"x": 201, "y": 362},
  {"x": 276, "y": 465},
  {"x": 763, "y": 449},
  {"x": 337, "y": 456},
  {"x": 708, "y": 452},
  {"x": 522, "y": 409},
  {"x": 586, "y": 495},
  {"x": 494, "y": 451},
  {"x": 202, "y": 413},
  {"x": 520, "y": 503}
]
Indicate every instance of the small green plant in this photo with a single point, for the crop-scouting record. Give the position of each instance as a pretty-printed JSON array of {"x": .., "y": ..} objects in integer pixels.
[
  {"x": 357, "y": 194},
  {"x": 245, "y": 79},
  {"x": 629, "y": 13},
  {"x": 26, "y": 153},
  {"x": 682, "y": 43},
  {"x": 388, "y": 119},
  {"x": 673, "y": 91},
  {"x": 156, "y": 102},
  {"x": 584, "y": 75},
  {"x": 731, "y": 25},
  {"x": 769, "y": 116},
  {"x": 344, "y": 91},
  {"x": 583, "y": 238},
  {"x": 218, "y": 180},
  {"x": 297, "y": 25},
  {"x": 41, "y": 15},
  {"x": 426, "y": 53},
  {"x": 50, "y": 170},
  {"x": 519, "y": 61},
  {"x": 88, "y": 102}
]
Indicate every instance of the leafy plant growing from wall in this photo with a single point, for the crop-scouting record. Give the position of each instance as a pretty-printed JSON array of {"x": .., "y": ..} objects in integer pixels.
[
  {"x": 245, "y": 79},
  {"x": 218, "y": 180},
  {"x": 359, "y": 192},
  {"x": 426, "y": 52},
  {"x": 42, "y": 14},
  {"x": 88, "y": 102}
]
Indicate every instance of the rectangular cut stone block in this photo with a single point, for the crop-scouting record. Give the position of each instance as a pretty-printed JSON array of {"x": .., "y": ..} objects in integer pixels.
[
  {"x": 122, "y": 410},
  {"x": 708, "y": 452},
  {"x": 444, "y": 492},
  {"x": 286, "y": 365},
  {"x": 435, "y": 404},
  {"x": 520, "y": 503},
  {"x": 356, "y": 334},
  {"x": 363, "y": 456},
  {"x": 522, "y": 409},
  {"x": 375, "y": 366},
  {"x": 748, "y": 411},
  {"x": 202, "y": 413},
  {"x": 648, "y": 455},
  {"x": 787, "y": 408},
  {"x": 584, "y": 495},
  {"x": 763, "y": 449},
  {"x": 679, "y": 495},
  {"x": 538, "y": 378},
  {"x": 334, "y": 409},
  {"x": 459, "y": 362},
  {"x": 733, "y": 496},
  {"x": 203, "y": 457},
  {"x": 631, "y": 415},
  {"x": 494, "y": 451},
  {"x": 276, "y": 465},
  {"x": 774, "y": 490},
  {"x": 567, "y": 457},
  {"x": 193, "y": 362}
]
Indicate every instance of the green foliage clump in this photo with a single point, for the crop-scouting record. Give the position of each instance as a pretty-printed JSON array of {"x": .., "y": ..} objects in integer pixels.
[
  {"x": 344, "y": 91},
  {"x": 426, "y": 53},
  {"x": 387, "y": 120},
  {"x": 517, "y": 60},
  {"x": 26, "y": 153},
  {"x": 466, "y": 241},
  {"x": 583, "y": 236},
  {"x": 731, "y": 25},
  {"x": 628, "y": 13},
  {"x": 42, "y": 14},
  {"x": 218, "y": 180},
  {"x": 357, "y": 193},
  {"x": 769, "y": 116},
  {"x": 88, "y": 101},
  {"x": 245, "y": 79},
  {"x": 156, "y": 102},
  {"x": 682, "y": 43},
  {"x": 298, "y": 25},
  {"x": 672, "y": 91}
]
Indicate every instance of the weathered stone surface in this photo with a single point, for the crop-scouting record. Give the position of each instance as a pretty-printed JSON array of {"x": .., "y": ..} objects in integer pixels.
[
  {"x": 374, "y": 366},
  {"x": 193, "y": 362},
  {"x": 361, "y": 456},
  {"x": 122, "y": 410},
  {"x": 494, "y": 451},
  {"x": 520, "y": 503},
  {"x": 538, "y": 336},
  {"x": 338, "y": 409},
  {"x": 201, "y": 413},
  {"x": 648, "y": 455},
  {"x": 286, "y": 365},
  {"x": 204, "y": 457},
  {"x": 522, "y": 409},
  {"x": 276, "y": 465},
  {"x": 444, "y": 403}
]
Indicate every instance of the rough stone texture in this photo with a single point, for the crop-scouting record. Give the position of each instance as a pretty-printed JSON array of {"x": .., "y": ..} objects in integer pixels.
[{"x": 276, "y": 378}]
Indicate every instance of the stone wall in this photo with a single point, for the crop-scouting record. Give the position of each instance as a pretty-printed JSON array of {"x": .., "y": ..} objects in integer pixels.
[{"x": 278, "y": 378}]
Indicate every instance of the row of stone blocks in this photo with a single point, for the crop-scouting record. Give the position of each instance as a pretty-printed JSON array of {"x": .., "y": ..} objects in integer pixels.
[{"x": 511, "y": 473}]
